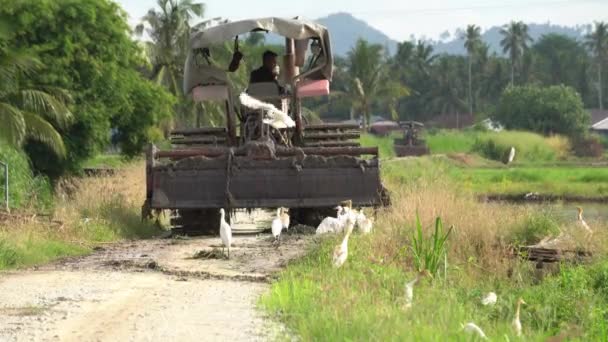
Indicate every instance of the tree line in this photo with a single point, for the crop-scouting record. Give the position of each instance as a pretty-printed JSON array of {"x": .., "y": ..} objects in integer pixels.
[{"x": 424, "y": 84}]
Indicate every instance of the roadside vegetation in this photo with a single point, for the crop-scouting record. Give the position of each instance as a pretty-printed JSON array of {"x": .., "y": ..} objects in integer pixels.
[
  {"x": 85, "y": 213},
  {"x": 363, "y": 300}
]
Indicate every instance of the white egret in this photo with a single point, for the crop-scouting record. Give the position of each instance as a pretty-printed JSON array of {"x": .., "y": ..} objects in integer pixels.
[
  {"x": 472, "y": 328},
  {"x": 277, "y": 226},
  {"x": 285, "y": 218},
  {"x": 516, "y": 324},
  {"x": 582, "y": 222},
  {"x": 341, "y": 250},
  {"x": 409, "y": 287},
  {"x": 225, "y": 231},
  {"x": 489, "y": 299}
]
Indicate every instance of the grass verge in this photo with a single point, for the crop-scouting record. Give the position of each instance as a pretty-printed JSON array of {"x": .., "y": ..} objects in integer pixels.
[
  {"x": 87, "y": 212},
  {"x": 363, "y": 300}
]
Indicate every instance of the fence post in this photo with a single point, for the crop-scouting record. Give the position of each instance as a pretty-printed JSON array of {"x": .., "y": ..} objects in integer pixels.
[{"x": 6, "y": 204}]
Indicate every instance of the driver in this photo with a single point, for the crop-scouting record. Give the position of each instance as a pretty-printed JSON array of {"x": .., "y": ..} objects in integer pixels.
[{"x": 269, "y": 70}]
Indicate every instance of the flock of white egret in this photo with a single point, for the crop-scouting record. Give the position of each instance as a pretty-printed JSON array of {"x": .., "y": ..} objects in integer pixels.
[{"x": 346, "y": 220}]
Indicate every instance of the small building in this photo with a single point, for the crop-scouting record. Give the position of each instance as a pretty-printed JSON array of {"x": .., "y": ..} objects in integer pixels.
[{"x": 599, "y": 121}]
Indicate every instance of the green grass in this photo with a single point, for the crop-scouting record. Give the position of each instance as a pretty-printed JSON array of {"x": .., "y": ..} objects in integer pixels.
[
  {"x": 96, "y": 210},
  {"x": 106, "y": 160},
  {"x": 531, "y": 148},
  {"x": 498, "y": 179},
  {"x": 25, "y": 189},
  {"x": 34, "y": 250},
  {"x": 451, "y": 141},
  {"x": 385, "y": 144},
  {"x": 362, "y": 301}
]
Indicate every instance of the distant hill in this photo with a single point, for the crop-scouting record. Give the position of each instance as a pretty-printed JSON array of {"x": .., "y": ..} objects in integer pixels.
[
  {"x": 345, "y": 30},
  {"x": 493, "y": 37}
]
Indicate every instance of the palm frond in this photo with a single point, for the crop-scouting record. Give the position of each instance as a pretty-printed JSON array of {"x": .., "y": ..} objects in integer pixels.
[
  {"x": 46, "y": 105},
  {"x": 12, "y": 124},
  {"x": 41, "y": 130}
]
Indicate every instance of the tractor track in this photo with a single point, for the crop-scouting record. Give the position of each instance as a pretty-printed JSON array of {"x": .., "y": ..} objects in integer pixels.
[{"x": 149, "y": 290}]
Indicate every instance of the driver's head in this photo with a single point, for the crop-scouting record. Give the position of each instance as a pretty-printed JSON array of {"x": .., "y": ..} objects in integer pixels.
[{"x": 269, "y": 60}]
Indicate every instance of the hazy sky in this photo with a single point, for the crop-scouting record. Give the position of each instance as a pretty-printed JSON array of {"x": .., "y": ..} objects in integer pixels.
[{"x": 401, "y": 18}]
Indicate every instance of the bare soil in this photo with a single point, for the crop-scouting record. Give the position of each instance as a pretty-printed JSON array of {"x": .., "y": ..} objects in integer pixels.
[{"x": 173, "y": 289}]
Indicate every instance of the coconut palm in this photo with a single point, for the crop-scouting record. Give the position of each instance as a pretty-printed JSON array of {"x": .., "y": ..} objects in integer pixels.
[
  {"x": 366, "y": 67},
  {"x": 515, "y": 43},
  {"x": 472, "y": 41},
  {"x": 423, "y": 57},
  {"x": 597, "y": 42},
  {"x": 27, "y": 111},
  {"x": 169, "y": 30}
]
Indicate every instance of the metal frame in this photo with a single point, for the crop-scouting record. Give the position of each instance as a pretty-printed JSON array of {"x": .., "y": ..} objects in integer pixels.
[{"x": 6, "y": 189}]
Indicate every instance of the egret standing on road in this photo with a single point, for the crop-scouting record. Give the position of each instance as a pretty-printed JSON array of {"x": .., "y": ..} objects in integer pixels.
[
  {"x": 285, "y": 218},
  {"x": 225, "y": 231},
  {"x": 277, "y": 226}
]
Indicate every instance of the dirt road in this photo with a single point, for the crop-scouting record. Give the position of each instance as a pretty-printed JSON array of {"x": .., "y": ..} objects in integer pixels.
[{"x": 152, "y": 290}]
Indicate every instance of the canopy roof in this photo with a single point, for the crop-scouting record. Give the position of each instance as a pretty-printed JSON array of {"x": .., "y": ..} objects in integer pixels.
[
  {"x": 290, "y": 28},
  {"x": 296, "y": 29}
]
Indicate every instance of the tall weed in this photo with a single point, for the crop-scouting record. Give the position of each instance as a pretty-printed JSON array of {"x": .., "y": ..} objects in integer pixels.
[{"x": 429, "y": 252}]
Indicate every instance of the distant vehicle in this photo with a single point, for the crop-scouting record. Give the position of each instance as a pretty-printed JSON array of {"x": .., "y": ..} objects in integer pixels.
[
  {"x": 249, "y": 163},
  {"x": 411, "y": 144}
]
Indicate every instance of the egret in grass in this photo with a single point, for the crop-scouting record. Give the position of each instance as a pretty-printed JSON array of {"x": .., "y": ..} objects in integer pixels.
[
  {"x": 516, "y": 324},
  {"x": 489, "y": 299},
  {"x": 582, "y": 222},
  {"x": 472, "y": 328},
  {"x": 341, "y": 250},
  {"x": 409, "y": 287}
]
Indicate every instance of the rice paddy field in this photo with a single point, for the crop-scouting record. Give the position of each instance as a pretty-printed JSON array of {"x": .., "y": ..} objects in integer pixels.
[{"x": 364, "y": 299}]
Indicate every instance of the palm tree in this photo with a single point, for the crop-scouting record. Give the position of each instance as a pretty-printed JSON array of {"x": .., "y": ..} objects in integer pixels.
[
  {"x": 472, "y": 41},
  {"x": 515, "y": 43},
  {"x": 365, "y": 64},
  {"x": 423, "y": 57},
  {"x": 169, "y": 30},
  {"x": 446, "y": 96},
  {"x": 25, "y": 111},
  {"x": 597, "y": 41}
]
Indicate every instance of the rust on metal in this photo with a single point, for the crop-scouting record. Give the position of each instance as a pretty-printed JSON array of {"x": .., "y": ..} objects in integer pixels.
[
  {"x": 326, "y": 126},
  {"x": 333, "y": 144},
  {"x": 200, "y": 131},
  {"x": 345, "y": 135}
]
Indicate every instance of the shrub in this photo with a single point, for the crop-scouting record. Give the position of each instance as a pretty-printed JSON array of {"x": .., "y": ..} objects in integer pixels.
[
  {"x": 590, "y": 146},
  {"x": 546, "y": 110},
  {"x": 25, "y": 189}
]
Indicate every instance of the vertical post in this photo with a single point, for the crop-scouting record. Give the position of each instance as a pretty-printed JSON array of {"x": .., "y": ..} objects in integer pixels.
[
  {"x": 6, "y": 199},
  {"x": 150, "y": 162}
]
